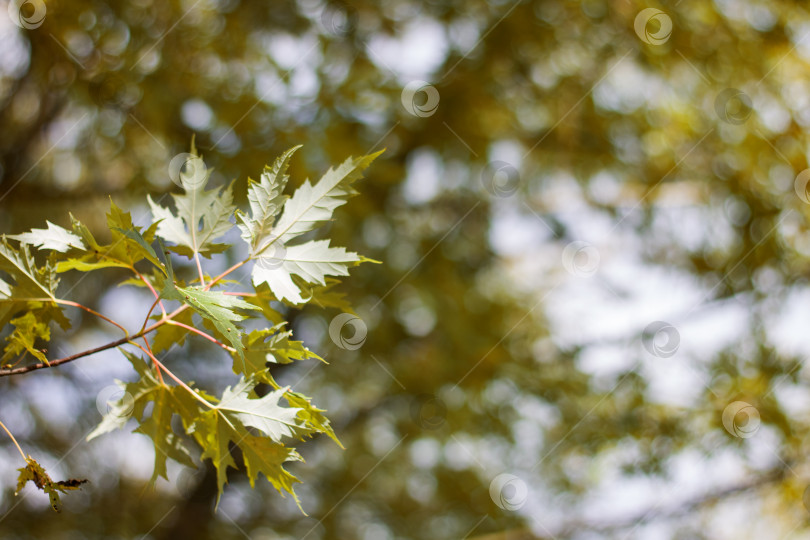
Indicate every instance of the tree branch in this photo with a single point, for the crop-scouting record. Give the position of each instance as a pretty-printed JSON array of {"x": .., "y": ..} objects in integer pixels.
[{"x": 116, "y": 343}]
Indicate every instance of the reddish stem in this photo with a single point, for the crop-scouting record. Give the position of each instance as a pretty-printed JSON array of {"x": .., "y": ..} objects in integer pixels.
[
  {"x": 172, "y": 375},
  {"x": 157, "y": 296},
  {"x": 207, "y": 336}
]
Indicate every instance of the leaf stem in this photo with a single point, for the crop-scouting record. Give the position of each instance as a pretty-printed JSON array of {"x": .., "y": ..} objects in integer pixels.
[
  {"x": 225, "y": 273},
  {"x": 75, "y": 304},
  {"x": 173, "y": 376},
  {"x": 96, "y": 313},
  {"x": 2, "y": 425},
  {"x": 199, "y": 269},
  {"x": 149, "y": 314},
  {"x": 199, "y": 332},
  {"x": 157, "y": 296},
  {"x": 157, "y": 368}
]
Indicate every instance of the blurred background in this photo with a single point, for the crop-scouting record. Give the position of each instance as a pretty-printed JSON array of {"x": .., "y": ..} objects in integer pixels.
[{"x": 592, "y": 316}]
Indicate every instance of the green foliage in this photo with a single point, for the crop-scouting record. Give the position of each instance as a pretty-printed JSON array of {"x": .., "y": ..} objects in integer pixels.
[
  {"x": 261, "y": 426},
  {"x": 27, "y": 329}
]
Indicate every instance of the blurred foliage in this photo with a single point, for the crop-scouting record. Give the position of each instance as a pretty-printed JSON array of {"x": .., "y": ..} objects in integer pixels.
[{"x": 674, "y": 159}]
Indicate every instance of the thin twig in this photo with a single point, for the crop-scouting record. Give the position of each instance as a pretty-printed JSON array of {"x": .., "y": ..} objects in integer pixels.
[
  {"x": 207, "y": 336},
  {"x": 2, "y": 425},
  {"x": 149, "y": 314},
  {"x": 157, "y": 296},
  {"x": 157, "y": 367},
  {"x": 225, "y": 273},
  {"x": 74, "y": 304},
  {"x": 116, "y": 343},
  {"x": 173, "y": 376}
]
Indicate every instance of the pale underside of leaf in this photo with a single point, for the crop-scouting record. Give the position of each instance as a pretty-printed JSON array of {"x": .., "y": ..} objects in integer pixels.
[
  {"x": 264, "y": 414},
  {"x": 266, "y": 200},
  {"x": 312, "y": 261},
  {"x": 53, "y": 238}
]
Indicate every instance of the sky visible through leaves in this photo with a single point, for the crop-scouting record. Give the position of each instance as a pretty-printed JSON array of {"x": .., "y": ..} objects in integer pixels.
[{"x": 592, "y": 223}]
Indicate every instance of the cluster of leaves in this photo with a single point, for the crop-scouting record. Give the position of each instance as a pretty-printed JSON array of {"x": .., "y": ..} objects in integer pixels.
[
  {"x": 33, "y": 472},
  {"x": 286, "y": 269}
]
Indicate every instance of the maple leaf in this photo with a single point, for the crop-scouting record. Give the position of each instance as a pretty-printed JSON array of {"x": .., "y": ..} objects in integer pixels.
[
  {"x": 29, "y": 281},
  {"x": 312, "y": 206},
  {"x": 215, "y": 432},
  {"x": 166, "y": 401},
  {"x": 266, "y": 200},
  {"x": 312, "y": 261},
  {"x": 264, "y": 456},
  {"x": 53, "y": 238},
  {"x": 311, "y": 415},
  {"x": 309, "y": 207},
  {"x": 130, "y": 245},
  {"x": 215, "y": 306},
  {"x": 33, "y": 472},
  {"x": 270, "y": 345},
  {"x": 27, "y": 329},
  {"x": 168, "y": 335},
  {"x": 202, "y": 217},
  {"x": 324, "y": 296},
  {"x": 264, "y": 414}
]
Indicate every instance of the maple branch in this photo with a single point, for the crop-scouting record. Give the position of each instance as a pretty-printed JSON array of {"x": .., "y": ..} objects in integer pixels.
[
  {"x": 88, "y": 352},
  {"x": 2, "y": 425}
]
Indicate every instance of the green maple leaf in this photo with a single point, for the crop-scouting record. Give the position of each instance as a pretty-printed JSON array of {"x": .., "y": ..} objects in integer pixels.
[
  {"x": 266, "y": 200},
  {"x": 53, "y": 238},
  {"x": 312, "y": 206},
  {"x": 130, "y": 245},
  {"x": 264, "y": 456},
  {"x": 308, "y": 208},
  {"x": 214, "y": 434},
  {"x": 27, "y": 329},
  {"x": 158, "y": 427},
  {"x": 311, "y": 415},
  {"x": 270, "y": 345},
  {"x": 263, "y": 301},
  {"x": 308, "y": 413},
  {"x": 28, "y": 281},
  {"x": 215, "y": 306},
  {"x": 168, "y": 335},
  {"x": 165, "y": 400},
  {"x": 215, "y": 431},
  {"x": 324, "y": 296}
]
